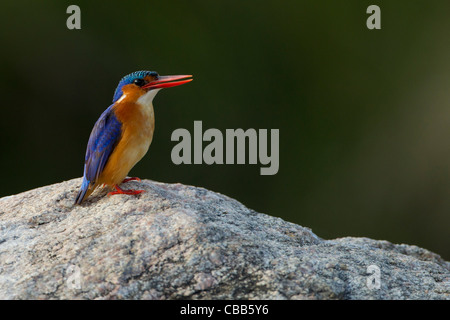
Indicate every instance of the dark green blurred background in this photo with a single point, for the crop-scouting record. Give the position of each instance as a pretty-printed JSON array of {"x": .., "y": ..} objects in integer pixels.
[{"x": 364, "y": 116}]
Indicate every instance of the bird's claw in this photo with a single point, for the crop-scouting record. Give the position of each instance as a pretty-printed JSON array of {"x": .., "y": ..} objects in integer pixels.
[
  {"x": 122, "y": 191},
  {"x": 132, "y": 179}
]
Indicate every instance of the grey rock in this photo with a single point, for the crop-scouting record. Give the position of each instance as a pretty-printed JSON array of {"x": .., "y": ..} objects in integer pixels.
[{"x": 183, "y": 242}]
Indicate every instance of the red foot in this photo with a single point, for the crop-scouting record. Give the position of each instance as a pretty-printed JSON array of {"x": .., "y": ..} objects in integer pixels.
[
  {"x": 121, "y": 191},
  {"x": 131, "y": 179}
]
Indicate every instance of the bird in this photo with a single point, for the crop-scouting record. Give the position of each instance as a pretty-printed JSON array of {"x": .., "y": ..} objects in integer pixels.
[{"x": 123, "y": 133}]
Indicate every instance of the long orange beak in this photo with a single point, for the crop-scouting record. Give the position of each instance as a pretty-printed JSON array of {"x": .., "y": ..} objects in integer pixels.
[{"x": 167, "y": 82}]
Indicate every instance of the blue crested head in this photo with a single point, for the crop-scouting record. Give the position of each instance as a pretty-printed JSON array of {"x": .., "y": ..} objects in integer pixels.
[{"x": 132, "y": 78}]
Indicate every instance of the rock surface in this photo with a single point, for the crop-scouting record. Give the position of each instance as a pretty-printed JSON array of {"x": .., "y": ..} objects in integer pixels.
[{"x": 183, "y": 242}]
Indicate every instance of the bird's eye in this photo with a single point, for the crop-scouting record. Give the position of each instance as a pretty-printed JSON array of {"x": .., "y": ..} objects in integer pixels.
[{"x": 139, "y": 82}]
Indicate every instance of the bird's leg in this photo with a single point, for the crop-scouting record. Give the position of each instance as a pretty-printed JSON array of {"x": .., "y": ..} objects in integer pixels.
[
  {"x": 119, "y": 190},
  {"x": 131, "y": 179}
]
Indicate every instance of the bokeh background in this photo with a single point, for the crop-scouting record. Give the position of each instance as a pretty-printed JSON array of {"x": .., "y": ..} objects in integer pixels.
[{"x": 364, "y": 115}]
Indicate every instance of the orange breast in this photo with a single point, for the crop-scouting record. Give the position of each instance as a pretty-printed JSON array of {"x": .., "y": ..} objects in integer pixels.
[{"x": 138, "y": 123}]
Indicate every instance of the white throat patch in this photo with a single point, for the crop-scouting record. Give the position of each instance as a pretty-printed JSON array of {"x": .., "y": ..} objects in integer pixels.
[{"x": 147, "y": 99}]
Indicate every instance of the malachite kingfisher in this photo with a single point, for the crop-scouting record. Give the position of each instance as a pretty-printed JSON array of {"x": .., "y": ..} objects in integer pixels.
[{"x": 124, "y": 132}]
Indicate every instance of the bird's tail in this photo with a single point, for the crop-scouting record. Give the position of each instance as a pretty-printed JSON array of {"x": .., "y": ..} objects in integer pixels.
[{"x": 84, "y": 191}]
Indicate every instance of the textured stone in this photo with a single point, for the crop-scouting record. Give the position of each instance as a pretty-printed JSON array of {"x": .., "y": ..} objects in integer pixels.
[{"x": 183, "y": 242}]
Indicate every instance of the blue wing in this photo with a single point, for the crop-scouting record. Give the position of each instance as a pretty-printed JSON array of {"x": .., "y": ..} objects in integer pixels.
[{"x": 104, "y": 137}]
